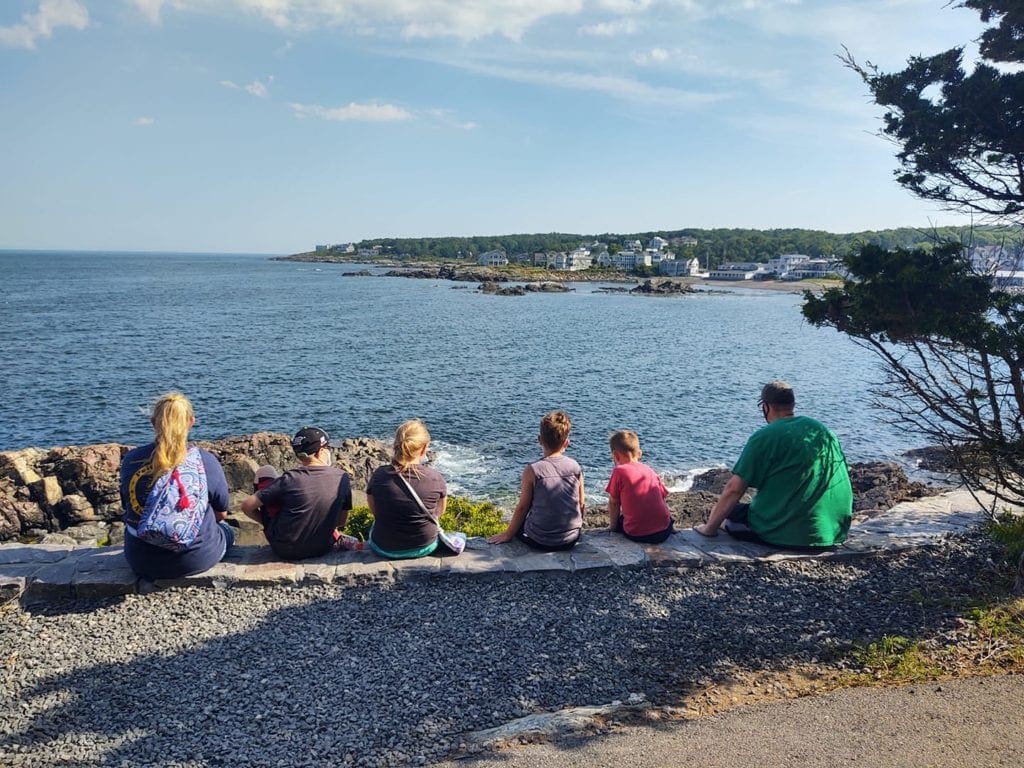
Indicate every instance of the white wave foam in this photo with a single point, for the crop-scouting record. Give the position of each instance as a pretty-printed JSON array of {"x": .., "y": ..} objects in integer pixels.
[
  {"x": 470, "y": 472},
  {"x": 682, "y": 481}
]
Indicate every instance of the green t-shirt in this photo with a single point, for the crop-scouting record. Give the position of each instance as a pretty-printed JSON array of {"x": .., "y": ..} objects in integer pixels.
[{"x": 804, "y": 498}]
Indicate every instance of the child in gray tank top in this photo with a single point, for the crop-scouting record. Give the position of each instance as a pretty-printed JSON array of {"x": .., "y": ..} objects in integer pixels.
[{"x": 549, "y": 514}]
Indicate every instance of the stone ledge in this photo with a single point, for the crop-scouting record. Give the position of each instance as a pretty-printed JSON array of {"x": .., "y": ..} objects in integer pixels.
[{"x": 43, "y": 572}]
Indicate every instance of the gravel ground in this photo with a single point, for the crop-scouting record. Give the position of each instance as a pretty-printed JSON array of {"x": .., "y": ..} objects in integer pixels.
[{"x": 394, "y": 675}]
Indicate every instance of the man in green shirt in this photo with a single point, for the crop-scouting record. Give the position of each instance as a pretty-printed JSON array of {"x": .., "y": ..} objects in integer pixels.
[{"x": 804, "y": 498}]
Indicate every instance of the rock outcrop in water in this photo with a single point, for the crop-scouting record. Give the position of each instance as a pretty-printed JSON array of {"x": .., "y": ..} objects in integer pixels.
[
  {"x": 663, "y": 287},
  {"x": 75, "y": 488}
]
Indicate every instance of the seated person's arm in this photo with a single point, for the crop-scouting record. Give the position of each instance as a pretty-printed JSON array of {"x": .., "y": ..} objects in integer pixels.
[
  {"x": 614, "y": 510},
  {"x": 251, "y": 507},
  {"x": 217, "y": 485},
  {"x": 731, "y": 494},
  {"x": 519, "y": 515},
  {"x": 342, "y": 518},
  {"x": 583, "y": 497},
  {"x": 343, "y": 504}
]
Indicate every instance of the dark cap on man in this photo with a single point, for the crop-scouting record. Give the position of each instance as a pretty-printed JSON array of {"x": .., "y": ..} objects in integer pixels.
[
  {"x": 309, "y": 440},
  {"x": 777, "y": 392}
]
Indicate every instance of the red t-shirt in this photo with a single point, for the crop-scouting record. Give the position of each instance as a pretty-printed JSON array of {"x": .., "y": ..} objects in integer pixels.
[{"x": 641, "y": 496}]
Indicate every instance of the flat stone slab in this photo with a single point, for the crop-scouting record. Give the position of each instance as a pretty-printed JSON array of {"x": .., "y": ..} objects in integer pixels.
[
  {"x": 39, "y": 572},
  {"x": 33, "y": 553}
]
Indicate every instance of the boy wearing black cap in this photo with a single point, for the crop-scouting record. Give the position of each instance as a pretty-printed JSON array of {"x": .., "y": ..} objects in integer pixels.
[
  {"x": 313, "y": 499},
  {"x": 804, "y": 498}
]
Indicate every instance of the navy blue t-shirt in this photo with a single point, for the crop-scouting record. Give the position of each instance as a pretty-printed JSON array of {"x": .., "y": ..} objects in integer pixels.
[{"x": 151, "y": 561}]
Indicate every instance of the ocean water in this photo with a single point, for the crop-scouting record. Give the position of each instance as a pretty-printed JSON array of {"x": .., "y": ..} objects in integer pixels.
[{"x": 91, "y": 339}]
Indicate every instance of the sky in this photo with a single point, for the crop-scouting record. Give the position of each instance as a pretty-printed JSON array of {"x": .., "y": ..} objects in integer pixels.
[{"x": 269, "y": 126}]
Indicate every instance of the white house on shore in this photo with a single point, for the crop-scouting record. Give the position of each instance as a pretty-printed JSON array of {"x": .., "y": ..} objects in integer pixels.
[
  {"x": 574, "y": 261},
  {"x": 814, "y": 269},
  {"x": 989, "y": 259},
  {"x": 495, "y": 258},
  {"x": 679, "y": 267},
  {"x": 780, "y": 265},
  {"x": 1008, "y": 279},
  {"x": 739, "y": 270}
]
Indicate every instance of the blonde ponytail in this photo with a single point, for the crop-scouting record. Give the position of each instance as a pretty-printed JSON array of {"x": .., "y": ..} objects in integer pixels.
[
  {"x": 172, "y": 419},
  {"x": 410, "y": 440}
]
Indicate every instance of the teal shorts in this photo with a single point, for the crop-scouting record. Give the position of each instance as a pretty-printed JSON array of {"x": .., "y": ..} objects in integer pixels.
[{"x": 404, "y": 554}]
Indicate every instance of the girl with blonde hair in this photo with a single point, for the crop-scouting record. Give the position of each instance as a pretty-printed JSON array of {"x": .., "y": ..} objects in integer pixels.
[
  {"x": 405, "y": 526},
  {"x": 141, "y": 467}
]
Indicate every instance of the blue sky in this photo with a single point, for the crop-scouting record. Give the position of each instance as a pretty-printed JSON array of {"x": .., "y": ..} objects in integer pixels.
[{"x": 272, "y": 125}]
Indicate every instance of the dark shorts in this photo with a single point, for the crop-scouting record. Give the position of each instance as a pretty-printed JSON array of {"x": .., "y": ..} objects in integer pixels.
[
  {"x": 650, "y": 538},
  {"x": 737, "y": 526},
  {"x": 545, "y": 547}
]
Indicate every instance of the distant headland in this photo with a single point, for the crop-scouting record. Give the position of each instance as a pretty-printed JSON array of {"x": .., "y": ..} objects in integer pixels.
[{"x": 735, "y": 255}]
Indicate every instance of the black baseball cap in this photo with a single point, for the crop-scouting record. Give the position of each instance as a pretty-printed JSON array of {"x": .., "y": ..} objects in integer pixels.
[
  {"x": 309, "y": 440},
  {"x": 777, "y": 392}
]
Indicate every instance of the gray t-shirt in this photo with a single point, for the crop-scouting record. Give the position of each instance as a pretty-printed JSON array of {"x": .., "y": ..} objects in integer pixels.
[
  {"x": 555, "y": 517},
  {"x": 398, "y": 522},
  {"x": 311, "y": 499}
]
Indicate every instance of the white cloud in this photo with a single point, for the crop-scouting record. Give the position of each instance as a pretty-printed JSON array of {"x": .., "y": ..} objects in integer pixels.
[
  {"x": 143, "y": 121},
  {"x": 654, "y": 56},
  {"x": 623, "y": 6},
  {"x": 150, "y": 9},
  {"x": 615, "y": 28},
  {"x": 616, "y": 86},
  {"x": 371, "y": 112},
  {"x": 256, "y": 88},
  {"x": 51, "y": 15},
  {"x": 463, "y": 19},
  {"x": 447, "y": 117}
]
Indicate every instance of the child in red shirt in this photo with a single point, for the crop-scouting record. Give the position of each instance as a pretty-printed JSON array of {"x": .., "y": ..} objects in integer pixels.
[{"x": 636, "y": 495}]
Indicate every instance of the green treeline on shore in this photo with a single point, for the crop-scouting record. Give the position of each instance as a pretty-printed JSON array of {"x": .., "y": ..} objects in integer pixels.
[{"x": 712, "y": 246}]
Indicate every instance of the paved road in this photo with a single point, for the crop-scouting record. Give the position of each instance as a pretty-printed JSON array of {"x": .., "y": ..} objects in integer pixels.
[{"x": 973, "y": 723}]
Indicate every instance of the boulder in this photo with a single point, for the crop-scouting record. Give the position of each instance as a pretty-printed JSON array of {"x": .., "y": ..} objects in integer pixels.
[
  {"x": 663, "y": 287},
  {"x": 878, "y": 486},
  {"x": 19, "y": 466},
  {"x": 47, "y": 492},
  {"x": 73, "y": 509},
  {"x": 547, "y": 287}
]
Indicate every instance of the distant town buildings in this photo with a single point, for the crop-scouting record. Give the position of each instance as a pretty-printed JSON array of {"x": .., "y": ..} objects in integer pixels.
[
  {"x": 668, "y": 258},
  {"x": 339, "y": 247}
]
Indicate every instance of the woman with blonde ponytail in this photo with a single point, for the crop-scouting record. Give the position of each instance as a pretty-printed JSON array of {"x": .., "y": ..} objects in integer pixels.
[
  {"x": 402, "y": 528},
  {"x": 141, "y": 467}
]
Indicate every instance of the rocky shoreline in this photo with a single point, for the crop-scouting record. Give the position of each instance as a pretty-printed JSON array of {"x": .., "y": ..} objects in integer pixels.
[
  {"x": 69, "y": 494},
  {"x": 428, "y": 270}
]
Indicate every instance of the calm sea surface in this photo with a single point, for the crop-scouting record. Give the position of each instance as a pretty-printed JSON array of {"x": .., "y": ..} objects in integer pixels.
[{"x": 91, "y": 339}]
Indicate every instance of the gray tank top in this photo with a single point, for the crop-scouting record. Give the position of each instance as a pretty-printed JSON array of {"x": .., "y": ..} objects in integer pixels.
[{"x": 554, "y": 517}]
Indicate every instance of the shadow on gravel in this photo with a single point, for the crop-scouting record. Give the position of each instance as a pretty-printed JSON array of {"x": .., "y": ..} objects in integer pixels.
[
  {"x": 396, "y": 675},
  {"x": 54, "y": 608}
]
